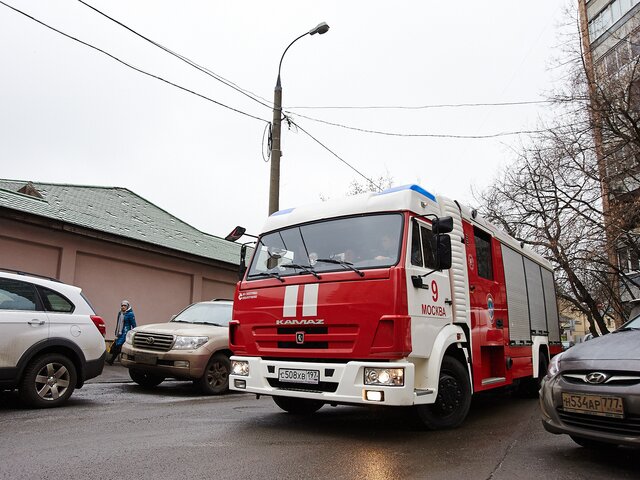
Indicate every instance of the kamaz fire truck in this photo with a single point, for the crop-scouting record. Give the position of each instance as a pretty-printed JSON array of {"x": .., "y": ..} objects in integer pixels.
[{"x": 397, "y": 298}]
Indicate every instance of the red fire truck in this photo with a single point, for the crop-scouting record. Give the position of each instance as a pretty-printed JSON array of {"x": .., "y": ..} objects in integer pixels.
[{"x": 393, "y": 298}]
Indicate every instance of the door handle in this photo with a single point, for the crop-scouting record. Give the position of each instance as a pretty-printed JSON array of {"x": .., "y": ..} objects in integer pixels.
[{"x": 36, "y": 322}]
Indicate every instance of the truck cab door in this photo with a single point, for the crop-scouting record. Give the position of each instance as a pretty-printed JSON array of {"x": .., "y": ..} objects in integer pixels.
[{"x": 429, "y": 305}]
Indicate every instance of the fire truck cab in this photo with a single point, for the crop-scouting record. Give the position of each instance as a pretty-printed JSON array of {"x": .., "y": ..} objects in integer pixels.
[{"x": 396, "y": 298}]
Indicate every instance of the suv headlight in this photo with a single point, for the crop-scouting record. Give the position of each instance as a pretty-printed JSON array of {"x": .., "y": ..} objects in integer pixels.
[
  {"x": 189, "y": 343},
  {"x": 384, "y": 376},
  {"x": 129, "y": 338}
]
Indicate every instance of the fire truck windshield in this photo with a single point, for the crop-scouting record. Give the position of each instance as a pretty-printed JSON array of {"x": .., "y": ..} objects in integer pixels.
[{"x": 348, "y": 243}]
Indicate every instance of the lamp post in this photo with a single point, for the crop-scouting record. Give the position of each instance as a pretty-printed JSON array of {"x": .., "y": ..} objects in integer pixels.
[{"x": 274, "y": 181}]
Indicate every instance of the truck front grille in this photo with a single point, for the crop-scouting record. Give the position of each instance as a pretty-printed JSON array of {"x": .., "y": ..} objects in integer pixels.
[{"x": 158, "y": 342}]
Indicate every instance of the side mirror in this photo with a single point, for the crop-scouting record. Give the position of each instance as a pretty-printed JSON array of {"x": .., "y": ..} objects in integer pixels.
[
  {"x": 236, "y": 234},
  {"x": 442, "y": 225},
  {"x": 443, "y": 252}
]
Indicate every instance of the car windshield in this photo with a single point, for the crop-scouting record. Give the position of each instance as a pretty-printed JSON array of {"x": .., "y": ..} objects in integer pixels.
[
  {"x": 350, "y": 243},
  {"x": 206, "y": 313},
  {"x": 633, "y": 324}
]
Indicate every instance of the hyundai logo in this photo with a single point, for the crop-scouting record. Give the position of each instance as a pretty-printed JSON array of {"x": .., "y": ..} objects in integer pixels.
[
  {"x": 299, "y": 338},
  {"x": 596, "y": 377},
  {"x": 150, "y": 340}
]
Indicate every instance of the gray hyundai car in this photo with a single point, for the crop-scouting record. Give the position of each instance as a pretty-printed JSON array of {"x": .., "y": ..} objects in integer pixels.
[{"x": 592, "y": 391}]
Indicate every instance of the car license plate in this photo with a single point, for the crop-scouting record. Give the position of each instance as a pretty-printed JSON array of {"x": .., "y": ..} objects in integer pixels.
[
  {"x": 601, "y": 405},
  {"x": 146, "y": 359},
  {"x": 311, "y": 377}
]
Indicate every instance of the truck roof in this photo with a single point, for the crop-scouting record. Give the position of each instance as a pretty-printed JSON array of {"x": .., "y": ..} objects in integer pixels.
[{"x": 410, "y": 197}]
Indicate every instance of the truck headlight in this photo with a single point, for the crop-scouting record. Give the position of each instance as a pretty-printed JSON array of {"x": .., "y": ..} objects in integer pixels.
[
  {"x": 189, "y": 343},
  {"x": 392, "y": 377},
  {"x": 129, "y": 338},
  {"x": 240, "y": 367}
]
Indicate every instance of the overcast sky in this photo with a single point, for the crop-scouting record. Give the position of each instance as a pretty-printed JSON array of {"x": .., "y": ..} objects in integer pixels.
[{"x": 70, "y": 114}]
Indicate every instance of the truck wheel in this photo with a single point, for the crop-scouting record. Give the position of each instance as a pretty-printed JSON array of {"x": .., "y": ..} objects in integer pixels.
[
  {"x": 216, "y": 375},
  {"x": 453, "y": 400},
  {"x": 145, "y": 379},
  {"x": 49, "y": 380},
  {"x": 298, "y": 406}
]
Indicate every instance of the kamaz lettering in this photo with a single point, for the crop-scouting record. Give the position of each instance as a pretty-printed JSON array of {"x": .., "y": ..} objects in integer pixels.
[{"x": 300, "y": 322}]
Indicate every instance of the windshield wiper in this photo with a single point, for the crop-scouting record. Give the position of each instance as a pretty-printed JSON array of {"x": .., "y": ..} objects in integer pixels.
[
  {"x": 342, "y": 263},
  {"x": 267, "y": 274},
  {"x": 305, "y": 268}
]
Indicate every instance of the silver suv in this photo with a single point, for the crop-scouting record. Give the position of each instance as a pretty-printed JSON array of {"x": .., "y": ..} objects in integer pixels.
[
  {"x": 51, "y": 340},
  {"x": 194, "y": 345}
]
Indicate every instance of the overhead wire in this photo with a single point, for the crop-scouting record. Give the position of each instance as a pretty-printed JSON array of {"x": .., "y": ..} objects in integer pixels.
[
  {"x": 157, "y": 77},
  {"x": 424, "y": 135},
  {"x": 204, "y": 70},
  {"x": 421, "y": 107},
  {"x": 287, "y": 118},
  {"x": 335, "y": 155}
]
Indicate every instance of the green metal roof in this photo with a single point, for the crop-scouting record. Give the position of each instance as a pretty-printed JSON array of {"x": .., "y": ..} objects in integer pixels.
[{"x": 117, "y": 211}]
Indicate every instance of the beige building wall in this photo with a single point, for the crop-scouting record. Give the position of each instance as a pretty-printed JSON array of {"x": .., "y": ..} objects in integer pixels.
[{"x": 158, "y": 282}]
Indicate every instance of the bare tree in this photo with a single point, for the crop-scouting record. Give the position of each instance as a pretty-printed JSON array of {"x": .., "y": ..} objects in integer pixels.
[{"x": 572, "y": 193}]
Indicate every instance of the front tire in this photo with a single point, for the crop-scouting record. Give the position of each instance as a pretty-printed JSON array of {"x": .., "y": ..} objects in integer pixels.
[
  {"x": 49, "y": 380},
  {"x": 453, "y": 401},
  {"x": 216, "y": 375},
  {"x": 145, "y": 379},
  {"x": 298, "y": 406}
]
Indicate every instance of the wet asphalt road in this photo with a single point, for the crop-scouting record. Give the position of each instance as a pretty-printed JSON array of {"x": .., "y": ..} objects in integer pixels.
[{"x": 117, "y": 430}]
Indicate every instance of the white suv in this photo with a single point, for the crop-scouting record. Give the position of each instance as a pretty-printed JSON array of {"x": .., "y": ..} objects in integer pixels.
[{"x": 51, "y": 340}]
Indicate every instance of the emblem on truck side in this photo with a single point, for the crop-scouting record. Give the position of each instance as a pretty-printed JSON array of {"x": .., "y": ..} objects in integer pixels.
[{"x": 318, "y": 321}]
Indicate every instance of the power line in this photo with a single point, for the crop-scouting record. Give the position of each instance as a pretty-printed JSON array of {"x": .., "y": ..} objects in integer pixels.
[
  {"x": 418, "y": 135},
  {"x": 205, "y": 70},
  {"x": 421, "y": 107},
  {"x": 336, "y": 155},
  {"x": 131, "y": 66}
]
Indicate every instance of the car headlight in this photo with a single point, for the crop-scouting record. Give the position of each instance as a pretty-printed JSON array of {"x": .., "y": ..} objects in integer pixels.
[
  {"x": 554, "y": 365},
  {"x": 129, "y": 337},
  {"x": 384, "y": 376},
  {"x": 240, "y": 367},
  {"x": 189, "y": 343}
]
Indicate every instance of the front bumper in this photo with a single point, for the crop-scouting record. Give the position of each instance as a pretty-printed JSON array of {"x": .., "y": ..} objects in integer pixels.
[
  {"x": 164, "y": 363},
  {"x": 338, "y": 382},
  {"x": 624, "y": 431}
]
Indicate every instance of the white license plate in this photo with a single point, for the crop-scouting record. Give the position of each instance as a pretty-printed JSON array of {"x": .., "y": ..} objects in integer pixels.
[
  {"x": 311, "y": 377},
  {"x": 602, "y": 405}
]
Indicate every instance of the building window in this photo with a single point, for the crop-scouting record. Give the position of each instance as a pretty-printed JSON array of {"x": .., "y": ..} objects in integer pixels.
[
  {"x": 608, "y": 16},
  {"x": 629, "y": 261}
]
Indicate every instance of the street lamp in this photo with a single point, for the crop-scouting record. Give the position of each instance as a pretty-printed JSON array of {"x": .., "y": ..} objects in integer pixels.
[{"x": 274, "y": 182}]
